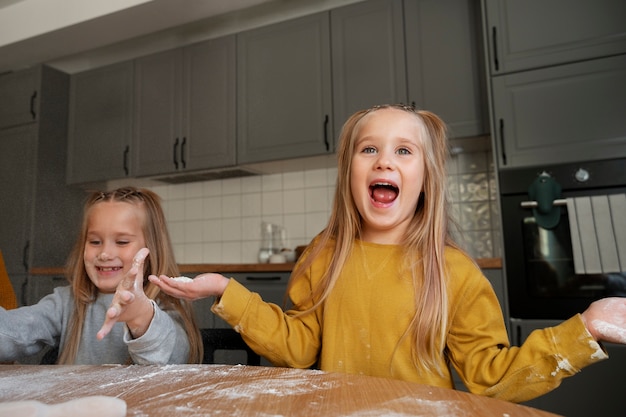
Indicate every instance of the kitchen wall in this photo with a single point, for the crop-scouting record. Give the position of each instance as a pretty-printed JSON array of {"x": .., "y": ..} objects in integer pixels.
[{"x": 219, "y": 221}]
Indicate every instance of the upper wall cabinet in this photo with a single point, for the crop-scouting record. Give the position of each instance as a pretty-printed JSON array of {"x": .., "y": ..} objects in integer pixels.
[
  {"x": 445, "y": 63},
  {"x": 421, "y": 52},
  {"x": 18, "y": 147},
  {"x": 20, "y": 95},
  {"x": 368, "y": 57},
  {"x": 284, "y": 107},
  {"x": 565, "y": 113},
  {"x": 40, "y": 214},
  {"x": 185, "y": 109},
  {"x": 100, "y": 123},
  {"x": 537, "y": 33}
]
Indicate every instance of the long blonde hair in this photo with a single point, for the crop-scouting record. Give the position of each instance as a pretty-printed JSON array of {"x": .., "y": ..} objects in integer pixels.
[
  {"x": 160, "y": 261},
  {"x": 425, "y": 241}
]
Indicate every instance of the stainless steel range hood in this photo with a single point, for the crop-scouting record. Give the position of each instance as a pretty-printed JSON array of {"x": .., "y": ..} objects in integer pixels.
[{"x": 218, "y": 174}]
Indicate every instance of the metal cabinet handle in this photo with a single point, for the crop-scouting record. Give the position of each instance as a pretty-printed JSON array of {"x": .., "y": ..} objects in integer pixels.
[
  {"x": 175, "y": 151},
  {"x": 496, "y": 63},
  {"x": 182, "y": 153},
  {"x": 502, "y": 142},
  {"x": 272, "y": 278},
  {"x": 126, "y": 150},
  {"x": 326, "y": 133},
  {"x": 25, "y": 255},
  {"x": 24, "y": 297},
  {"x": 32, "y": 105}
]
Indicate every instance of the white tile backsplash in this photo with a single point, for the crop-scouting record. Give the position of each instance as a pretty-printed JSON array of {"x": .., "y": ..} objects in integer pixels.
[{"x": 219, "y": 221}]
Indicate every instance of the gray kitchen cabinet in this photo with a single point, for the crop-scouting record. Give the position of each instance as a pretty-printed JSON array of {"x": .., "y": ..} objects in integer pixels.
[
  {"x": 561, "y": 114},
  {"x": 39, "y": 286},
  {"x": 20, "y": 95},
  {"x": 17, "y": 171},
  {"x": 284, "y": 92},
  {"x": 100, "y": 124},
  {"x": 185, "y": 109},
  {"x": 537, "y": 33},
  {"x": 445, "y": 65},
  {"x": 595, "y": 391},
  {"x": 496, "y": 278},
  {"x": 40, "y": 213},
  {"x": 368, "y": 57},
  {"x": 422, "y": 52}
]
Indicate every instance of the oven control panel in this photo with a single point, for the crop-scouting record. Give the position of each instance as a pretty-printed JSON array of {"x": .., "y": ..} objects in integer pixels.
[{"x": 575, "y": 176}]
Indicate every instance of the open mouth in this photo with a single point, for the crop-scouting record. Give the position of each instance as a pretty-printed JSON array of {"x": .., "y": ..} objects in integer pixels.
[
  {"x": 108, "y": 268},
  {"x": 384, "y": 192}
]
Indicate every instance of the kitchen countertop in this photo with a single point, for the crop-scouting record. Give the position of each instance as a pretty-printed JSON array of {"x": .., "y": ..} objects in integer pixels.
[{"x": 484, "y": 263}]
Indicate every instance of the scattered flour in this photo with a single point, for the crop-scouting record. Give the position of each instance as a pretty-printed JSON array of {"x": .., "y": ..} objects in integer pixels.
[
  {"x": 394, "y": 408},
  {"x": 96, "y": 406},
  {"x": 610, "y": 331},
  {"x": 182, "y": 279},
  {"x": 563, "y": 365},
  {"x": 598, "y": 352}
]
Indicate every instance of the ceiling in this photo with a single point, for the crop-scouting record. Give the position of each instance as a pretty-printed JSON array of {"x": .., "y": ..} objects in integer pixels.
[{"x": 39, "y": 31}]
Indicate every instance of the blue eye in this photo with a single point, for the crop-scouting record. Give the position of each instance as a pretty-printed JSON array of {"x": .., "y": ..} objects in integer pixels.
[
  {"x": 404, "y": 151},
  {"x": 369, "y": 149}
]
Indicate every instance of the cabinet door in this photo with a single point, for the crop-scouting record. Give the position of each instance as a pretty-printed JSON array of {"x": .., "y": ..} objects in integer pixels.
[
  {"x": 284, "y": 107},
  {"x": 17, "y": 181},
  {"x": 209, "y": 108},
  {"x": 100, "y": 123},
  {"x": 19, "y": 97},
  {"x": 561, "y": 114},
  {"x": 368, "y": 57},
  {"x": 445, "y": 64},
  {"x": 538, "y": 33},
  {"x": 157, "y": 137}
]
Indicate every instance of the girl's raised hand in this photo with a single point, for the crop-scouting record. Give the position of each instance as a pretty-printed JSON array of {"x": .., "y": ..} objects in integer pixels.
[
  {"x": 606, "y": 320},
  {"x": 130, "y": 303},
  {"x": 202, "y": 286}
]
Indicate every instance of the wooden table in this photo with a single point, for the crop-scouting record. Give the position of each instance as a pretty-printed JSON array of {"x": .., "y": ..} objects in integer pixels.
[{"x": 225, "y": 390}]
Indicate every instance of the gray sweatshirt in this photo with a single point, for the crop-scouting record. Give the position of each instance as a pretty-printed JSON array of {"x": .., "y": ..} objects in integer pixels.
[{"x": 25, "y": 331}]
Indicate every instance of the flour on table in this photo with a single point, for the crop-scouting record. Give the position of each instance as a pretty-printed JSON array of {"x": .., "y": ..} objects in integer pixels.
[
  {"x": 94, "y": 406},
  {"x": 397, "y": 407}
]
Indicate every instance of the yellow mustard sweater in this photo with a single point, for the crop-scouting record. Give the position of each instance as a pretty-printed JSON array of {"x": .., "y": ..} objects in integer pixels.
[{"x": 361, "y": 325}]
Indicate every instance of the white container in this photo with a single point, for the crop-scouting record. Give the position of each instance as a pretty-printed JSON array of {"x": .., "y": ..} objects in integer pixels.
[{"x": 277, "y": 258}]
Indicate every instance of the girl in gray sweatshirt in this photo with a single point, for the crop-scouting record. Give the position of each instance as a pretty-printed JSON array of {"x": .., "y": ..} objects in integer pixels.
[{"x": 110, "y": 313}]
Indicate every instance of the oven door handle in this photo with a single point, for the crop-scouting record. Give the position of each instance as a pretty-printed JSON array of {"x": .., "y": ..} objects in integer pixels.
[{"x": 533, "y": 204}]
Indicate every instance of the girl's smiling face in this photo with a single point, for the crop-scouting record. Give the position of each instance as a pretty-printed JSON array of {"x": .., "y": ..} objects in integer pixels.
[
  {"x": 114, "y": 236},
  {"x": 387, "y": 173}
]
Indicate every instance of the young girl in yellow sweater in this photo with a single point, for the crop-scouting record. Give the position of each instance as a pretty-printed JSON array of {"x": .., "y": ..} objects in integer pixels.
[{"x": 383, "y": 290}]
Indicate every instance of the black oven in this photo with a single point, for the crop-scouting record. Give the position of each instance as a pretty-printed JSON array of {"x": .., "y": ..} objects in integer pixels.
[{"x": 539, "y": 267}]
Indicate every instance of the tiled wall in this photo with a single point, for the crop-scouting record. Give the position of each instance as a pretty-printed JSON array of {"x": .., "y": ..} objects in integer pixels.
[
  {"x": 220, "y": 221},
  {"x": 473, "y": 193}
]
